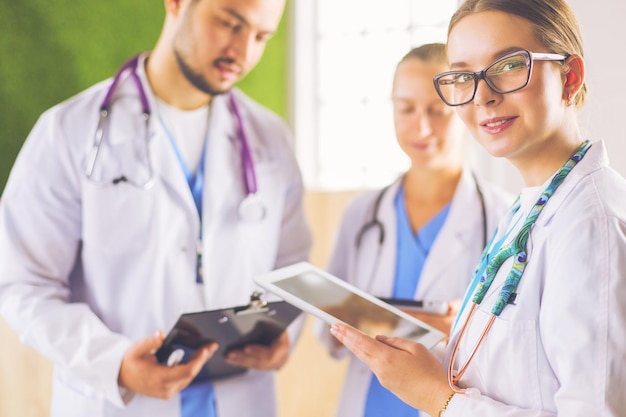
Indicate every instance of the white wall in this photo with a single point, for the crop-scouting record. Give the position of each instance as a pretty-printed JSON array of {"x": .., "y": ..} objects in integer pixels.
[
  {"x": 603, "y": 117},
  {"x": 604, "y": 34}
]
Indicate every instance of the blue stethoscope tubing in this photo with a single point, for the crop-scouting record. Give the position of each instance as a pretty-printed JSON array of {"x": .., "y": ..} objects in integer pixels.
[{"x": 250, "y": 209}]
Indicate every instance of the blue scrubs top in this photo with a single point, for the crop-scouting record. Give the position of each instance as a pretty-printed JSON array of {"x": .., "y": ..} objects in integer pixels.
[
  {"x": 198, "y": 400},
  {"x": 412, "y": 252}
]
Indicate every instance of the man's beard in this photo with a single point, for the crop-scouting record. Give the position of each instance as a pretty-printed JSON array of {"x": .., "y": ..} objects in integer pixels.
[{"x": 196, "y": 79}]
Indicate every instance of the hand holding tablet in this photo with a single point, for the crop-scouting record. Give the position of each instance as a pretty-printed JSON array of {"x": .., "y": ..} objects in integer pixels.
[{"x": 333, "y": 300}]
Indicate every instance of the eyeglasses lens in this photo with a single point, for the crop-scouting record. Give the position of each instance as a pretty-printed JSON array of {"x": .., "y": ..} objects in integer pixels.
[{"x": 508, "y": 74}]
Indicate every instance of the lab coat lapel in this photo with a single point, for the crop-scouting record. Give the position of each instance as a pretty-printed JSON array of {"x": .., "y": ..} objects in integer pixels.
[
  {"x": 455, "y": 235},
  {"x": 167, "y": 167},
  {"x": 165, "y": 163},
  {"x": 595, "y": 158},
  {"x": 221, "y": 160},
  {"x": 221, "y": 195},
  {"x": 383, "y": 276}
]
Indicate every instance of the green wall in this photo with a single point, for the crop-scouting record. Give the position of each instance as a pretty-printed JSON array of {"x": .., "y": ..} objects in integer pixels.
[{"x": 51, "y": 50}]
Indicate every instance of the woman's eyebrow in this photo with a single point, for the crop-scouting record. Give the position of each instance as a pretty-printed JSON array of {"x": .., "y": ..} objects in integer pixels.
[{"x": 494, "y": 57}]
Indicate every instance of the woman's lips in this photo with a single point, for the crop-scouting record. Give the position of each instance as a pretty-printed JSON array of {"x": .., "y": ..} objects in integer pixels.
[
  {"x": 497, "y": 124},
  {"x": 423, "y": 146}
]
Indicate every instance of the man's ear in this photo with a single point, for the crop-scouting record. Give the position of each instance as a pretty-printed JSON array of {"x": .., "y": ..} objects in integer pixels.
[
  {"x": 173, "y": 7},
  {"x": 574, "y": 76}
]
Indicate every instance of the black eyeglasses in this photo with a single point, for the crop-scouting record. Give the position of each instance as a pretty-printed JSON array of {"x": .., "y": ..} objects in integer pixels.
[{"x": 505, "y": 75}]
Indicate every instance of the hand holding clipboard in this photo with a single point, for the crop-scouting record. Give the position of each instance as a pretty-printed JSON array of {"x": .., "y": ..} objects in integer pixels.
[{"x": 258, "y": 323}]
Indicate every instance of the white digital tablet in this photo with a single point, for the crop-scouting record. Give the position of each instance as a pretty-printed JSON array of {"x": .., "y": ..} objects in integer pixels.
[{"x": 333, "y": 300}]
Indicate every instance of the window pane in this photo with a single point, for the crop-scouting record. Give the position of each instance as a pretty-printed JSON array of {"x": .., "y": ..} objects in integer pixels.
[{"x": 358, "y": 44}]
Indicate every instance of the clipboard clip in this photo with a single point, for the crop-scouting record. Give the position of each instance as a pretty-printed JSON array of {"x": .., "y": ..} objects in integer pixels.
[{"x": 256, "y": 305}]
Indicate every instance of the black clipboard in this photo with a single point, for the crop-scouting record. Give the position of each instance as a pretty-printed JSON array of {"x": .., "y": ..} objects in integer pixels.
[{"x": 259, "y": 322}]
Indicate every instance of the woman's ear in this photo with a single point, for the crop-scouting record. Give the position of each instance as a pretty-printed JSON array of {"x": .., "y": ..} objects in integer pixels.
[{"x": 574, "y": 76}]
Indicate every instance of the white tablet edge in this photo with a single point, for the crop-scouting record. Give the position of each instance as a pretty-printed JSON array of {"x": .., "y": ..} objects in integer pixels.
[{"x": 267, "y": 281}]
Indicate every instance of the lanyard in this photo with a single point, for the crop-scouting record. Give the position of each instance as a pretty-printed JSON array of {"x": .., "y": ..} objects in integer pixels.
[
  {"x": 516, "y": 249},
  {"x": 194, "y": 181},
  {"x": 196, "y": 185},
  {"x": 491, "y": 247}
]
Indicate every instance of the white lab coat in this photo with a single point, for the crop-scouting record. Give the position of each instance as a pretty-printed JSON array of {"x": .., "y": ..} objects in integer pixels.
[
  {"x": 85, "y": 270},
  {"x": 561, "y": 348},
  {"x": 445, "y": 275}
]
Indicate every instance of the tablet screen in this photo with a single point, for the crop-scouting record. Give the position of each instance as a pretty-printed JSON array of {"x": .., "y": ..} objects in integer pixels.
[{"x": 349, "y": 307}]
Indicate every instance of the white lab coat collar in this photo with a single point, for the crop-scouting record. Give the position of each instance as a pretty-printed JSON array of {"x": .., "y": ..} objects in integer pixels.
[
  {"x": 386, "y": 266},
  {"x": 164, "y": 161},
  {"x": 222, "y": 154},
  {"x": 452, "y": 241},
  {"x": 456, "y": 239},
  {"x": 596, "y": 158},
  {"x": 222, "y": 157}
]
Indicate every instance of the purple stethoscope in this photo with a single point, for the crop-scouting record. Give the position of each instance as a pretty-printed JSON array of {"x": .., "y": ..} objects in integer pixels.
[{"x": 251, "y": 207}]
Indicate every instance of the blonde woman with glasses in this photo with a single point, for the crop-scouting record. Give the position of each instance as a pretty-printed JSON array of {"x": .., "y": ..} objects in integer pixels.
[{"x": 542, "y": 327}]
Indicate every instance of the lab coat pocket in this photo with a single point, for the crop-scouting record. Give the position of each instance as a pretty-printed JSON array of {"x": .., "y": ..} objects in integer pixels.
[
  {"x": 506, "y": 363},
  {"x": 117, "y": 218}
]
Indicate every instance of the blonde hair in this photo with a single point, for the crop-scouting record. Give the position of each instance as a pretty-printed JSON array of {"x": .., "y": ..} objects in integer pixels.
[
  {"x": 553, "y": 22},
  {"x": 432, "y": 53}
]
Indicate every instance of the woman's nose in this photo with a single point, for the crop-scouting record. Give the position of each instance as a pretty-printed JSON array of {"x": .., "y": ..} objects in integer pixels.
[
  {"x": 484, "y": 95},
  {"x": 422, "y": 126}
]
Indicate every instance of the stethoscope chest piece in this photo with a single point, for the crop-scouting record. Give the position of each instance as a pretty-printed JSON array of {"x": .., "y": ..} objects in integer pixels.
[{"x": 252, "y": 209}]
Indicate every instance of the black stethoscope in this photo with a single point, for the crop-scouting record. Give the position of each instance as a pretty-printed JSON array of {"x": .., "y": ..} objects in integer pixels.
[{"x": 375, "y": 223}]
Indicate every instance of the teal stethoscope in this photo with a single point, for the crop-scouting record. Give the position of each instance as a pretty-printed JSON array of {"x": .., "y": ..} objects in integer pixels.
[
  {"x": 489, "y": 267},
  {"x": 251, "y": 208}
]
